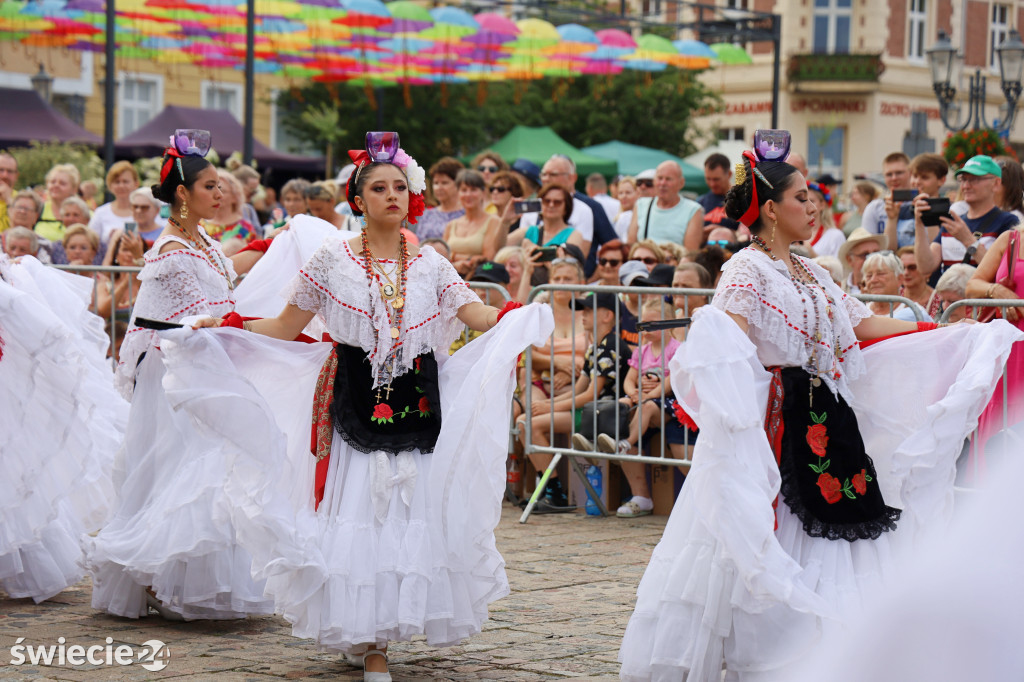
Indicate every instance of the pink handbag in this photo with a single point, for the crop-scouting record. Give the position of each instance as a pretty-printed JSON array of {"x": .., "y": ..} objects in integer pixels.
[{"x": 989, "y": 313}]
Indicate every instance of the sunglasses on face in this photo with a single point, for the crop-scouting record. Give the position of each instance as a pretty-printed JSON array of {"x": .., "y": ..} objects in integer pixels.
[
  {"x": 606, "y": 262},
  {"x": 645, "y": 183},
  {"x": 498, "y": 189},
  {"x": 648, "y": 260},
  {"x": 553, "y": 202},
  {"x": 487, "y": 169}
]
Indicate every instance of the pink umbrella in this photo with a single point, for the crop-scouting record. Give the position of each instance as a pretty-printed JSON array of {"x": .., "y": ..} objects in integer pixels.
[
  {"x": 613, "y": 37},
  {"x": 496, "y": 23}
]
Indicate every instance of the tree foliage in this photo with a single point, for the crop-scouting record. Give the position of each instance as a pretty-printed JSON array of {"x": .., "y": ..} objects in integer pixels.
[
  {"x": 37, "y": 159},
  {"x": 456, "y": 119}
]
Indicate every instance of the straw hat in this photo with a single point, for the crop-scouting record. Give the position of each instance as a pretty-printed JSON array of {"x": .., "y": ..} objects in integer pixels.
[{"x": 859, "y": 236}]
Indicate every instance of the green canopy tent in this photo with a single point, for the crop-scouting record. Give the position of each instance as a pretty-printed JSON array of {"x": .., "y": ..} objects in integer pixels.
[
  {"x": 538, "y": 144},
  {"x": 633, "y": 158}
]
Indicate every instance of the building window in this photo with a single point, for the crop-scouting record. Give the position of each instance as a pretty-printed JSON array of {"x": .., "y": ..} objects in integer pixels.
[
  {"x": 997, "y": 31},
  {"x": 141, "y": 98},
  {"x": 832, "y": 20},
  {"x": 917, "y": 19},
  {"x": 825, "y": 150},
  {"x": 226, "y": 96},
  {"x": 731, "y": 134},
  {"x": 281, "y": 139}
]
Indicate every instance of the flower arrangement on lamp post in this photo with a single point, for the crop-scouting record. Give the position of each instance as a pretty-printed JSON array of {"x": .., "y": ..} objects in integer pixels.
[{"x": 961, "y": 146}]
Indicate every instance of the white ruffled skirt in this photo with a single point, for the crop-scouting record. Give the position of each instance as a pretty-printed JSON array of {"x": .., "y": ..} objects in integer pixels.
[
  {"x": 60, "y": 423},
  {"x": 725, "y": 590},
  {"x": 400, "y": 545},
  {"x": 171, "y": 529}
]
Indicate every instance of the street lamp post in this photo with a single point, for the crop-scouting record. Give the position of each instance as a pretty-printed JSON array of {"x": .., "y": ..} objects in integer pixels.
[
  {"x": 946, "y": 67},
  {"x": 42, "y": 83}
]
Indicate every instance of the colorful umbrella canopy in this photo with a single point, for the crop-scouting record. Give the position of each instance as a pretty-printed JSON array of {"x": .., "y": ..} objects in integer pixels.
[
  {"x": 727, "y": 53},
  {"x": 355, "y": 41}
]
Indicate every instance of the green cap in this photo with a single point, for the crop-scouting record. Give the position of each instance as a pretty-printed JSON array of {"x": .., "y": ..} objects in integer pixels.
[{"x": 980, "y": 165}]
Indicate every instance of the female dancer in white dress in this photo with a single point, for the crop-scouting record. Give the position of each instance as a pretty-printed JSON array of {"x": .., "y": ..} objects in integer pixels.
[
  {"x": 170, "y": 543},
  {"x": 401, "y": 509},
  {"x": 60, "y": 423},
  {"x": 747, "y": 578}
]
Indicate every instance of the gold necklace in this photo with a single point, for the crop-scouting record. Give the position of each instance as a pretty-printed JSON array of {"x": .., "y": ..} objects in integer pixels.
[{"x": 215, "y": 258}]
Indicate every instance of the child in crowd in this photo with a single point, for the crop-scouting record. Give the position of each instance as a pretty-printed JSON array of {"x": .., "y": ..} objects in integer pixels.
[
  {"x": 647, "y": 385},
  {"x": 605, "y": 363}
]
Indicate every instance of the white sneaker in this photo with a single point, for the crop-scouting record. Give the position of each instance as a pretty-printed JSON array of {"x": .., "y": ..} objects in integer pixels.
[
  {"x": 606, "y": 443},
  {"x": 624, "y": 447},
  {"x": 580, "y": 442}
]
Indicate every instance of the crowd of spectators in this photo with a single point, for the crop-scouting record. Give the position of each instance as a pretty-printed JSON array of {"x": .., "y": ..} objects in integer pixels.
[{"x": 514, "y": 225}]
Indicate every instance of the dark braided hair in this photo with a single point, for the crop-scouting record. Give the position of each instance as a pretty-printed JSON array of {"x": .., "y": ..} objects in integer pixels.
[
  {"x": 192, "y": 166},
  {"x": 737, "y": 200},
  {"x": 357, "y": 182}
]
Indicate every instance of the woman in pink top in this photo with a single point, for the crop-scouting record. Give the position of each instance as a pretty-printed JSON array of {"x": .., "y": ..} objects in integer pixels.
[{"x": 985, "y": 284}]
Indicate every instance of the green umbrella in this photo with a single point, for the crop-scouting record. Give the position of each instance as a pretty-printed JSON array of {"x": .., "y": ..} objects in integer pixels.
[
  {"x": 650, "y": 42},
  {"x": 409, "y": 11},
  {"x": 731, "y": 54}
]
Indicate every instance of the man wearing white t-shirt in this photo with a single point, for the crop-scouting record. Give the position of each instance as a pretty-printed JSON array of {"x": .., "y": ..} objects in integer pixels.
[
  {"x": 668, "y": 217},
  {"x": 597, "y": 189}
]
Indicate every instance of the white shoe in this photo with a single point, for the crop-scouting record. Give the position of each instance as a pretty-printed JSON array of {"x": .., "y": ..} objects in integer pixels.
[
  {"x": 164, "y": 611},
  {"x": 354, "y": 660},
  {"x": 375, "y": 677},
  {"x": 638, "y": 506},
  {"x": 580, "y": 442}
]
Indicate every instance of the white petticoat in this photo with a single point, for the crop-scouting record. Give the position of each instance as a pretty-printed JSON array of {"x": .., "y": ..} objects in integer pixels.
[
  {"x": 60, "y": 423},
  {"x": 723, "y": 588},
  {"x": 339, "y": 575},
  {"x": 171, "y": 528}
]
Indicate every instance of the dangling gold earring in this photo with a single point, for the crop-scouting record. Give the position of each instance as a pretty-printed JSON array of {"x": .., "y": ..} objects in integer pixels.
[
  {"x": 183, "y": 213},
  {"x": 775, "y": 223}
]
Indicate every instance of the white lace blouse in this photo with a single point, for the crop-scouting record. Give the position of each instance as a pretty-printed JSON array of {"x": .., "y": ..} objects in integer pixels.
[
  {"x": 173, "y": 285},
  {"x": 333, "y": 284},
  {"x": 789, "y": 323}
]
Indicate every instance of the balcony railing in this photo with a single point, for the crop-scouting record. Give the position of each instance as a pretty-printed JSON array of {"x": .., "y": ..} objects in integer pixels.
[{"x": 833, "y": 68}]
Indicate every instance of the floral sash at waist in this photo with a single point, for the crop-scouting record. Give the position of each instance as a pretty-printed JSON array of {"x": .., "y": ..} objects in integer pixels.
[{"x": 828, "y": 480}]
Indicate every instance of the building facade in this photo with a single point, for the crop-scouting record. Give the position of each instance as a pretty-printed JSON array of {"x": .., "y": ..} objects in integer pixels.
[
  {"x": 144, "y": 87},
  {"x": 854, "y": 73}
]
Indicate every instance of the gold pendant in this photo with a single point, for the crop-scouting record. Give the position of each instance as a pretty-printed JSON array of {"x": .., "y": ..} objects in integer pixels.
[
  {"x": 816, "y": 382},
  {"x": 394, "y": 332},
  {"x": 388, "y": 291},
  {"x": 398, "y": 303}
]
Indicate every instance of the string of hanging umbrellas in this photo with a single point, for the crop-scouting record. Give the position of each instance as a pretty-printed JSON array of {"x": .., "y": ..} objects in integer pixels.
[{"x": 356, "y": 41}]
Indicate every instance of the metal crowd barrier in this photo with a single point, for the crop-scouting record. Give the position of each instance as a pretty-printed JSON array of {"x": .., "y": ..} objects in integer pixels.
[
  {"x": 976, "y": 304},
  {"x": 667, "y": 312},
  {"x": 112, "y": 272},
  {"x": 893, "y": 301}
]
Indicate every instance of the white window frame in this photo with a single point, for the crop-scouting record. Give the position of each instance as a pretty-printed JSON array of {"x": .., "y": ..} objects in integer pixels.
[
  {"x": 123, "y": 107},
  {"x": 832, "y": 13},
  {"x": 917, "y": 30},
  {"x": 998, "y": 29},
  {"x": 238, "y": 89}
]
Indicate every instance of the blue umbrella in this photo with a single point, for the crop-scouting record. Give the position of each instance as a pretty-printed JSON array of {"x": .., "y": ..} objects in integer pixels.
[{"x": 694, "y": 48}]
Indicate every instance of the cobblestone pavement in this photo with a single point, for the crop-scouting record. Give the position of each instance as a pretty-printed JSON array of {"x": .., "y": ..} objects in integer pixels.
[{"x": 573, "y": 581}]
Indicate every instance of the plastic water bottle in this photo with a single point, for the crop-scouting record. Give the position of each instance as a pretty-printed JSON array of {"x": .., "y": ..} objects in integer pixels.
[{"x": 594, "y": 477}]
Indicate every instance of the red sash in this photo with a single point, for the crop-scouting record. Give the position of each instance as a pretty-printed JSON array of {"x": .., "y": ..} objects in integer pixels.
[
  {"x": 323, "y": 429},
  {"x": 773, "y": 424}
]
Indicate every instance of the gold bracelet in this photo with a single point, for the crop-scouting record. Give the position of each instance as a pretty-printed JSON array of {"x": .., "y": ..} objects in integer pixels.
[
  {"x": 247, "y": 325},
  {"x": 991, "y": 289}
]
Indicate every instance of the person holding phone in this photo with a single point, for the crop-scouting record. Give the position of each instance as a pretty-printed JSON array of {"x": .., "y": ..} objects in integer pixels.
[
  {"x": 552, "y": 228},
  {"x": 927, "y": 176},
  {"x": 963, "y": 238}
]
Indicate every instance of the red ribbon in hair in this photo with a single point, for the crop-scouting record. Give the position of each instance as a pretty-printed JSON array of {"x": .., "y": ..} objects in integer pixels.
[
  {"x": 753, "y": 211},
  {"x": 171, "y": 154}
]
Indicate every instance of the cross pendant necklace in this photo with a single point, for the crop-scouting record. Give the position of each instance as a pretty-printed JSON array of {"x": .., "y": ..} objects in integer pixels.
[{"x": 386, "y": 390}]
